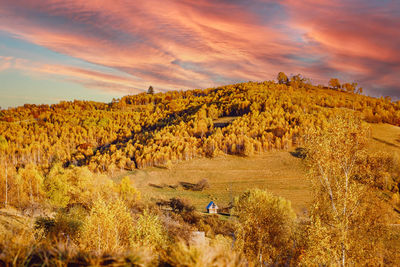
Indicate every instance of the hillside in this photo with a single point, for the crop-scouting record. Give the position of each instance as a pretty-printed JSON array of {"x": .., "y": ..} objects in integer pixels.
[
  {"x": 128, "y": 181},
  {"x": 385, "y": 137},
  {"x": 277, "y": 171},
  {"x": 160, "y": 130},
  {"x": 157, "y": 130}
]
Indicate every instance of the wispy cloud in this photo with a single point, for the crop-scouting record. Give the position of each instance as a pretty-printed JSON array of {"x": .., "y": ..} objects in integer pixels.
[
  {"x": 6, "y": 63},
  {"x": 178, "y": 44},
  {"x": 357, "y": 39}
]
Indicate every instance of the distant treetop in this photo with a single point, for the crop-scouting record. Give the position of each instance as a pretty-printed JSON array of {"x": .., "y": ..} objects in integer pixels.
[
  {"x": 282, "y": 78},
  {"x": 150, "y": 91}
]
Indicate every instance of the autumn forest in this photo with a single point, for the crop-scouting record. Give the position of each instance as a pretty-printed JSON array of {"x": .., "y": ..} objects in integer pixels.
[{"x": 66, "y": 197}]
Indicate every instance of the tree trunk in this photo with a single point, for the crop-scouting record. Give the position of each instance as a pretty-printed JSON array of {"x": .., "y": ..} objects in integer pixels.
[
  {"x": 6, "y": 200},
  {"x": 31, "y": 191},
  {"x": 343, "y": 256}
]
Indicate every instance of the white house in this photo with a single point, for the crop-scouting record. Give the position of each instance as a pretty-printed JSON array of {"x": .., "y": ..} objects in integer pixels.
[{"x": 212, "y": 207}]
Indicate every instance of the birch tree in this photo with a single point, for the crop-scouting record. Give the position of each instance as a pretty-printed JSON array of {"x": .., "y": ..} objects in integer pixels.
[
  {"x": 341, "y": 205},
  {"x": 3, "y": 161}
]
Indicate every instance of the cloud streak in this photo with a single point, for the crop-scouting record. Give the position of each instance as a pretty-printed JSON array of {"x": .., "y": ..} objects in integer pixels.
[
  {"x": 358, "y": 39},
  {"x": 180, "y": 44}
]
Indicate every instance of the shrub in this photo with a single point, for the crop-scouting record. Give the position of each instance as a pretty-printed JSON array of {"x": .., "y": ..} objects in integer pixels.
[
  {"x": 213, "y": 225},
  {"x": 108, "y": 227},
  {"x": 181, "y": 205},
  {"x": 127, "y": 191},
  {"x": 149, "y": 231},
  {"x": 201, "y": 185}
]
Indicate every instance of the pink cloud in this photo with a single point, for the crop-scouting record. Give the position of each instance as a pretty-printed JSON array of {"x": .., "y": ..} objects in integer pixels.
[
  {"x": 179, "y": 44},
  {"x": 357, "y": 38},
  {"x": 168, "y": 31},
  {"x": 6, "y": 63},
  {"x": 89, "y": 78}
]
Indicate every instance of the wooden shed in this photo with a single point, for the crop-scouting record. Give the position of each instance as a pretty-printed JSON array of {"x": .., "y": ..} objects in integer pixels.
[{"x": 212, "y": 207}]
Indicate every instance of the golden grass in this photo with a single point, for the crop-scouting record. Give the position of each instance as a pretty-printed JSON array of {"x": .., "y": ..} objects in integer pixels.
[
  {"x": 385, "y": 137},
  {"x": 228, "y": 176},
  {"x": 11, "y": 220}
]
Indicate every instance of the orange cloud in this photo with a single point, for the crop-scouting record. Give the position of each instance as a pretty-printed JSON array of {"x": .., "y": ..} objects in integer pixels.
[
  {"x": 179, "y": 44},
  {"x": 206, "y": 34},
  {"x": 6, "y": 63},
  {"x": 358, "y": 39}
]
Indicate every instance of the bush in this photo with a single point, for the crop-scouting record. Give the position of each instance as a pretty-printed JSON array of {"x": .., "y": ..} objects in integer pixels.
[
  {"x": 177, "y": 229},
  {"x": 67, "y": 223},
  {"x": 201, "y": 185},
  {"x": 149, "y": 231},
  {"x": 181, "y": 205},
  {"x": 127, "y": 191},
  {"x": 213, "y": 225},
  {"x": 108, "y": 228}
]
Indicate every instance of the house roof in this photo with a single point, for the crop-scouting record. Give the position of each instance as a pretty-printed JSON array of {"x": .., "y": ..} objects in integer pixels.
[{"x": 211, "y": 205}]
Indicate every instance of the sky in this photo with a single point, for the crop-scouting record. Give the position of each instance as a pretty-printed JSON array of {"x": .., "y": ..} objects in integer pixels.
[{"x": 53, "y": 50}]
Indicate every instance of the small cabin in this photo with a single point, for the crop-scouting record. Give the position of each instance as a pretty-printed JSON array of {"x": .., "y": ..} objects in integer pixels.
[{"x": 212, "y": 208}]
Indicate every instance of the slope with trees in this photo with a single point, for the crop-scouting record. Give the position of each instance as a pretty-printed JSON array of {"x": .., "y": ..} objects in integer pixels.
[{"x": 57, "y": 162}]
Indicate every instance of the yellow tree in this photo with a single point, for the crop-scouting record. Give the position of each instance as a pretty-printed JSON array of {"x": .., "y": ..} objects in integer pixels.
[
  {"x": 282, "y": 78},
  {"x": 149, "y": 231},
  {"x": 56, "y": 186},
  {"x": 341, "y": 205},
  {"x": 3, "y": 153},
  {"x": 334, "y": 83},
  {"x": 127, "y": 191},
  {"x": 266, "y": 226},
  {"x": 32, "y": 184}
]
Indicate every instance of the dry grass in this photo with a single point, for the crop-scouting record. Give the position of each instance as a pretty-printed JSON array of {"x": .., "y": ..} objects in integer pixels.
[
  {"x": 228, "y": 176},
  {"x": 385, "y": 137}
]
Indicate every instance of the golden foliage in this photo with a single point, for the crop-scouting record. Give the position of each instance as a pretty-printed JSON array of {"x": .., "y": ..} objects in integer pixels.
[
  {"x": 149, "y": 232},
  {"x": 266, "y": 226},
  {"x": 108, "y": 228},
  {"x": 127, "y": 191},
  {"x": 49, "y": 154},
  {"x": 347, "y": 221},
  {"x": 154, "y": 129}
]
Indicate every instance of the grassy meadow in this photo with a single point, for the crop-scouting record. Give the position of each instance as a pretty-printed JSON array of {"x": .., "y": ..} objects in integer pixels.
[
  {"x": 228, "y": 176},
  {"x": 385, "y": 137}
]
